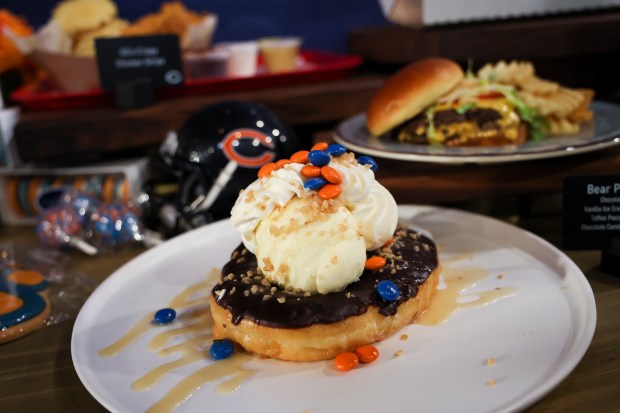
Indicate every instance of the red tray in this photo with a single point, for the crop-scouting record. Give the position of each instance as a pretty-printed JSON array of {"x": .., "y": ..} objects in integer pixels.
[{"x": 316, "y": 66}]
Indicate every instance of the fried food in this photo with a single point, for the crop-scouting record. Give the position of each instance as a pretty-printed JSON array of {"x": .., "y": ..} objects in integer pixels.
[
  {"x": 563, "y": 108},
  {"x": 172, "y": 18},
  {"x": 75, "y": 16},
  {"x": 84, "y": 44}
]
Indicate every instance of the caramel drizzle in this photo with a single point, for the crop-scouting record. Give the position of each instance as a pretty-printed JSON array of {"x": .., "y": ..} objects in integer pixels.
[
  {"x": 196, "y": 325},
  {"x": 454, "y": 297}
]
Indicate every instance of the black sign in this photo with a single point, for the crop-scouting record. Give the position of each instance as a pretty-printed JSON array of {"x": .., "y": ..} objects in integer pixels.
[
  {"x": 124, "y": 59},
  {"x": 591, "y": 212}
]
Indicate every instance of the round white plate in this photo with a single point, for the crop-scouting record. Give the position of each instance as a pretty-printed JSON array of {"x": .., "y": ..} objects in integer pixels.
[
  {"x": 601, "y": 133},
  {"x": 536, "y": 336}
]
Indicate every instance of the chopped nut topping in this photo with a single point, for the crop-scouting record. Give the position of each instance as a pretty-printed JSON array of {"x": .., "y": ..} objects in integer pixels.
[
  {"x": 404, "y": 337},
  {"x": 281, "y": 300},
  {"x": 398, "y": 353},
  {"x": 268, "y": 265}
]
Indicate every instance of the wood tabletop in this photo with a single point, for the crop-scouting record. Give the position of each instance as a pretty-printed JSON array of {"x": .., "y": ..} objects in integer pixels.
[{"x": 37, "y": 374}]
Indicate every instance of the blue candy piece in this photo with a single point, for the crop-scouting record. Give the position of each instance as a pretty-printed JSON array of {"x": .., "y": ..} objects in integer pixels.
[
  {"x": 336, "y": 149},
  {"x": 164, "y": 316},
  {"x": 367, "y": 160},
  {"x": 221, "y": 349},
  {"x": 319, "y": 158},
  {"x": 314, "y": 184},
  {"x": 387, "y": 290}
]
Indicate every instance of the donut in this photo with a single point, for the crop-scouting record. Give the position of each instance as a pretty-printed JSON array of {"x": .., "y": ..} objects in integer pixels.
[
  {"x": 24, "y": 303},
  {"x": 290, "y": 324}
]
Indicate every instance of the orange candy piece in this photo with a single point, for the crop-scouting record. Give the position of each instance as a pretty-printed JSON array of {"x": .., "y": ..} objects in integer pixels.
[
  {"x": 311, "y": 171},
  {"x": 331, "y": 175},
  {"x": 367, "y": 353},
  {"x": 300, "y": 157},
  {"x": 283, "y": 162},
  {"x": 330, "y": 191},
  {"x": 388, "y": 242},
  {"x": 374, "y": 263},
  {"x": 346, "y": 361},
  {"x": 321, "y": 146},
  {"x": 267, "y": 169}
]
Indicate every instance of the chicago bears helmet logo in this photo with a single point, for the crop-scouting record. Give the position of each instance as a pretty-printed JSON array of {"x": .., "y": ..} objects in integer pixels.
[{"x": 231, "y": 141}]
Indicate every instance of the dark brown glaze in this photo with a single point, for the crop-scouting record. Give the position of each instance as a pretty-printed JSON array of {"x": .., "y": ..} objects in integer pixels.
[{"x": 411, "y": 258}]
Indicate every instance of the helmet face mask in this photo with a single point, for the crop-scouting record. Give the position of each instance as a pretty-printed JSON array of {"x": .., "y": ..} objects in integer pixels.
[{"x": 215, "y": 154}]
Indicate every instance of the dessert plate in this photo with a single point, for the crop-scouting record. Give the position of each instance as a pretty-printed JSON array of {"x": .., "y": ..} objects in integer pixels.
[
  {"x": 602, "y": 132},
  {"x": 497, "y": 357}
]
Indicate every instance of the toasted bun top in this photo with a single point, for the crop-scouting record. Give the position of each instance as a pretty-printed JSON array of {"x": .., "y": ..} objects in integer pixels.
[{"x": 409, "y": 91}]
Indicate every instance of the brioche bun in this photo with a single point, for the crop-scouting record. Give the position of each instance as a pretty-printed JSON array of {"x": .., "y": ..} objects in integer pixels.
[{"x": 409, "y": 91}]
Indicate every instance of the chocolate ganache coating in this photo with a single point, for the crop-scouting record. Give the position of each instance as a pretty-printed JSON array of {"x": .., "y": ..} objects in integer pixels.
[{"x": 242, "y": 290}]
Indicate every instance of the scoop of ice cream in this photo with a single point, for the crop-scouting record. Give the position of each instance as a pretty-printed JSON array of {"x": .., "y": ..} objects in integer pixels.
[
  {"x": 311, "y": 245},
  {"x": 302, "y": 241}
]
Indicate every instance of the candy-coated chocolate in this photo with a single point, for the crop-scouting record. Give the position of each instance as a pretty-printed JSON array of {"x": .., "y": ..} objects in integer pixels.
[
  {"x": 56, "y": 223},
  {"x": 320, "y": 146},
  {"x": 221, "y": 349},
  {"x": 165, "y": 316},
  {"x": 267, "y": 169},
  {"x": 367, "y": 353},
  {"x": 314, "y": 184},
  {"x": 346, "y": 361},
  {"x": 330, "y": 191},
  {"x": 300, "y": 157},
  {"x": 311, "y": 171},
  {"x": 336, "y": 149},
  {"x": 283, "y": 162},
  {"x": 388, "y": 290},
  {"x": 319, "y": 158},
  {"x": 116, "y": 224},
  {"x": 375, "y": 263},
  {"x": 331, "y": 175},
  {"x": 367, "y": 160}
]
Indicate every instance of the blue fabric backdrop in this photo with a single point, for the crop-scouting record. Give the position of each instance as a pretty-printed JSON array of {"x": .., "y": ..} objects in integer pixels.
[{"x": 323, "y": 24}]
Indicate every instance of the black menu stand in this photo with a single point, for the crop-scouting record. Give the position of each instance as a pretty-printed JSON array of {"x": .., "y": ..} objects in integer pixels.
[
  {"x": 610, "y": 259},
  {"x": 135, "y": 93}
]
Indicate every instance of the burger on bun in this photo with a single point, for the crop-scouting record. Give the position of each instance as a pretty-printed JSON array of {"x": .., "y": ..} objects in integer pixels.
[{"x": 433, "y": 101}]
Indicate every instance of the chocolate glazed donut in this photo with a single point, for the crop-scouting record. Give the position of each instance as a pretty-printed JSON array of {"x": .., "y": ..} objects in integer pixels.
[{"x": 244, "y": 298}]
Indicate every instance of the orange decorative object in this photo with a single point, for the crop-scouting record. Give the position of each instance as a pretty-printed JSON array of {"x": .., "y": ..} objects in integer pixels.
[
  {"x": 321, "y": 146},
  {"x": 331, "y": 175},
  {"x": 300, "y": 157},
  {"x": 311, "y": 171},
  {"x": 367, "y": 353},
  {"x": 267, "y": 169},
  {"x": 330, "y": 191},
  {"x": 374, "y": 263},
  {"x": 346, "y": 361}
]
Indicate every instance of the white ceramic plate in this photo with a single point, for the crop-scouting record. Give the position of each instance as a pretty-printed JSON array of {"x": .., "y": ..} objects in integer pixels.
[
  {"x": 603, "y": 132},
  {"x": 536, "y": 336}
]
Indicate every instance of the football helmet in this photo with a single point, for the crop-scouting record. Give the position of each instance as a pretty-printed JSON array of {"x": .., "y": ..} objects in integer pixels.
[{"x": 215, "y": 153}]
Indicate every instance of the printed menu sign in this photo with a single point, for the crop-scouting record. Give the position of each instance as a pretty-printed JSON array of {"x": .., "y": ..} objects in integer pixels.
[
  {"x": 591, "y": 212},
  {"x": 123, "y": 59}
]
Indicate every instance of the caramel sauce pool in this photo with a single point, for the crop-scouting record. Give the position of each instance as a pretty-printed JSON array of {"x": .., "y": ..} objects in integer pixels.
[
  {"x": 192, "y": 331},
  {"x": 453, "y": 296},
  {"x": 193, "y": 334}
]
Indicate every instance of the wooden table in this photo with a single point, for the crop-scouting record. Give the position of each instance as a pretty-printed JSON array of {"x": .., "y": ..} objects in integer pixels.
[{"x": 36, "y": 372}]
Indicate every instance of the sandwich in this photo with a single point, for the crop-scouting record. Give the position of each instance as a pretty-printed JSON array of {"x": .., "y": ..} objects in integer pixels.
[{"x": 433, "y": 101}]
